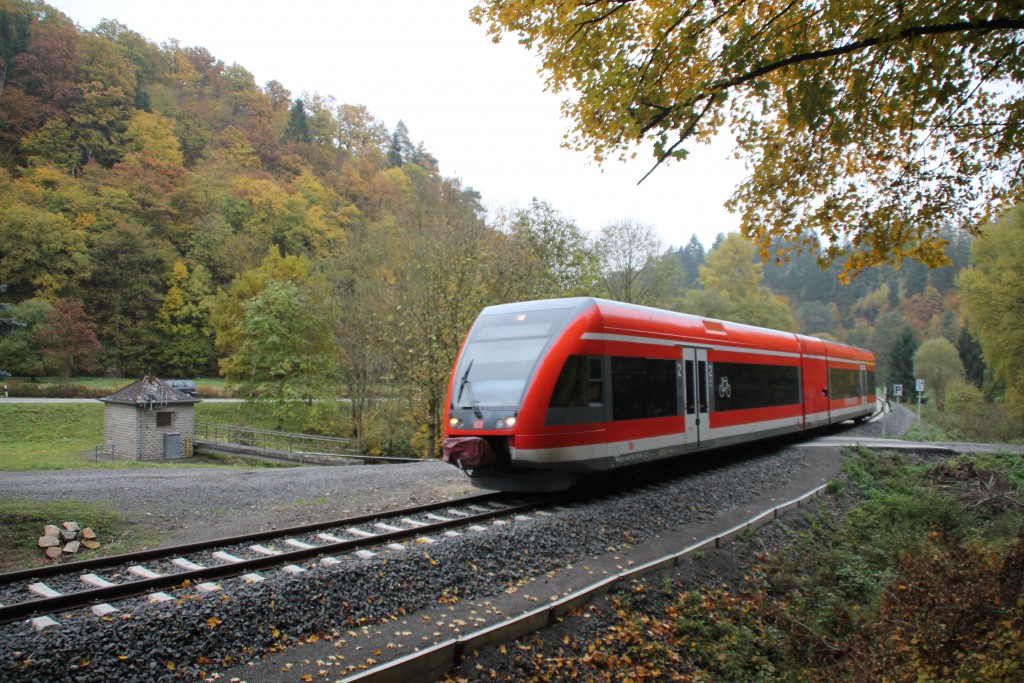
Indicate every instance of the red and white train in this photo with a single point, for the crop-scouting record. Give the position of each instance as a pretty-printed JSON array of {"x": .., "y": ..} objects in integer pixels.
[{"x": 545, "y": 391}]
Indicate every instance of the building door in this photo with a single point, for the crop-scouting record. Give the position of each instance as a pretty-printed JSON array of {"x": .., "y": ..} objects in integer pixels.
[{"x": 172, "y": 446}]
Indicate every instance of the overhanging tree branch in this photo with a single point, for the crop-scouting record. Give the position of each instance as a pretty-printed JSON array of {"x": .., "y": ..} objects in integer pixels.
[{"x": 981, "y": 25}]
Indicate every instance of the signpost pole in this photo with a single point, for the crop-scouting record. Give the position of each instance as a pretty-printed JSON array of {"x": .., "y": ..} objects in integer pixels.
[{"x": 919, "y": 386}]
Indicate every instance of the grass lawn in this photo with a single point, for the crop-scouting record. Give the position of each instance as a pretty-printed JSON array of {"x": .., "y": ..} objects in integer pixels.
[
  {"x": 60, "y": 436},
  {"x": 49, "y": 436},
  {"x": 22, "y": 522}
]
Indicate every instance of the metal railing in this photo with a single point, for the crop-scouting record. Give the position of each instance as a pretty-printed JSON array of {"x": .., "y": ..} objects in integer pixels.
[{"x": 277, "y": 442}]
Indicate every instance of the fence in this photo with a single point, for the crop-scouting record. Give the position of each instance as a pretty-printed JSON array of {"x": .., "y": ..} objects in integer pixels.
[{"x": 271, "y": 442}]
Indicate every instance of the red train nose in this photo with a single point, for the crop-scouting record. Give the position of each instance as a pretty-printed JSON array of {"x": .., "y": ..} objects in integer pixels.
[{"x": 468, "y": 452}]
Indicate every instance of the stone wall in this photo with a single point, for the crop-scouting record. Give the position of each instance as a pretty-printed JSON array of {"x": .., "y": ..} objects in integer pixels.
[{"x": 121, "y": 430}]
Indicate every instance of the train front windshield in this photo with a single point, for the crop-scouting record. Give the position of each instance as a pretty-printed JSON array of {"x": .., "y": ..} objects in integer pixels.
[{"x": 500, "y": 355}]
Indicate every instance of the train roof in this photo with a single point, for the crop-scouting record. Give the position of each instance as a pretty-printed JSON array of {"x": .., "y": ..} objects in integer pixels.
[{"x": 609, "y": 309}]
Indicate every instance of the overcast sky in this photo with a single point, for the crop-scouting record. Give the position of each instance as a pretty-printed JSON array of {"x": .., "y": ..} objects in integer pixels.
[{"x": 478, "y": 107}]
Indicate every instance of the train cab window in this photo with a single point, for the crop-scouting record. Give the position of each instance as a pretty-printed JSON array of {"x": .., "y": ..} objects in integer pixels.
[
  {"x": 578, "y": 397},
  {"x": 643, "y": 388},
  {"x": 580, "y": 383}
]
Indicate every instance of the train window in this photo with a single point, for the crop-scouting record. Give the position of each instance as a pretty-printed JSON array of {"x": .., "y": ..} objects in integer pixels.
[
  {"x": 703, "y": 370},
  {"x": 578, "y": 397},
  {"x": 739, "y": 386},
  {"x": 500, "y": 356},
  {"x": 579, "y": 384},
  {"x": 691, "y": 405},
  {"x": 844, "y": 383},
  {"x": 643, "y": 388}
]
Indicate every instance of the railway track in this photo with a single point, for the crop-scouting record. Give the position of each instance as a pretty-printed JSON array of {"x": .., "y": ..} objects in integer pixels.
[
  {"x": 41, "y": 593},
  {"x": 385, "y": 606}
]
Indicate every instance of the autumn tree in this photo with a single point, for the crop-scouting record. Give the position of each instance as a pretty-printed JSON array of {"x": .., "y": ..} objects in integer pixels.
[
  {"x": 731, "y": 289},
  {"x": 867, "y": 123},
  {"x": 67, "y": 339},
  {"x": 186, "y": 339},
  {"x": 991, "y": 290}
]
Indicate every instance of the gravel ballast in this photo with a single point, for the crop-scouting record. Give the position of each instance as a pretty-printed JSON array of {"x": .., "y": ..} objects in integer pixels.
[{"x": 199, "y": 635}]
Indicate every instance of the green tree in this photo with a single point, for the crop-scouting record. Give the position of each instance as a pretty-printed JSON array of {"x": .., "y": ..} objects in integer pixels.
[
  {"x": 633, "y": 267},
  {"x": 816, "y": 318},
  {"x": 971, "y": 356},
  {"x": 287, "y": 355},
  {"x": 53, "y": 145},
  {"x": 400, "y": 149},
  {"x": 228, "y": 310},
  {"x": 127, "y": 287},
  {"x": 992, "y": 300},
  {"x": 19, "y": 347},
  {"x": 870, "y": 123},
  {"x": 298, "y": 125},
  {"x": 567, "y": 262},
  {"x": 938, "y": 363},
  {"x": 691, "y": 258},
  {"x": 901, "y": 360}
]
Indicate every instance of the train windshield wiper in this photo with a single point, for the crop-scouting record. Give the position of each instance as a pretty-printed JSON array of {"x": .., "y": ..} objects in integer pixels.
[{"x": 465, "y": 384}]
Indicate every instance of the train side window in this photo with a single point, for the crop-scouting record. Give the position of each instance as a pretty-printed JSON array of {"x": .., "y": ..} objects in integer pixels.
[
  {"x": 702, "y": 385},
  {"x": 643, "y": 388},
  {"x": 691, "y": 402},
  {"x": 595, "y": 385}
]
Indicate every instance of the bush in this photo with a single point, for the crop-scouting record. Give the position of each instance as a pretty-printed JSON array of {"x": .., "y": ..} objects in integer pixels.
[{"x": 969, "y": 415}]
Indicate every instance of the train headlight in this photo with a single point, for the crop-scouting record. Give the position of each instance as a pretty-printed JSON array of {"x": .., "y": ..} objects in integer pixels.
[
  {"x": 510, "y": 421},
  {"x": 454, "y": 422}
]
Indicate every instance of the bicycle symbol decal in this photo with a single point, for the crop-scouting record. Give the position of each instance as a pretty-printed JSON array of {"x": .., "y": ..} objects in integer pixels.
[{"x": 724, "y": 388}]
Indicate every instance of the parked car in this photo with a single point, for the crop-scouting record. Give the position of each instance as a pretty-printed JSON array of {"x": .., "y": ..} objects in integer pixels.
[{"x": 185, "y": 386}]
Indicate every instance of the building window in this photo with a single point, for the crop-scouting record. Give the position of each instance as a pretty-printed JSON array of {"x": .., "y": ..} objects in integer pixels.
[{"x": 165, "y": 419}]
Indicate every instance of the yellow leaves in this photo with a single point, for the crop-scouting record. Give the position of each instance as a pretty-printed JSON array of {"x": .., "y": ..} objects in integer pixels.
[{"x": 213, "y": 622}]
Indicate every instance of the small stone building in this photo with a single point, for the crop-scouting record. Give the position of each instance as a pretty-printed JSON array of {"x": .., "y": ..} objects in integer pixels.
[{"x": 148, "y": 420}]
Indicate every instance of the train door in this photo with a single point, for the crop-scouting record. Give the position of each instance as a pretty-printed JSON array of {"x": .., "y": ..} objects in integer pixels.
[{"x": 695, "y": 392}]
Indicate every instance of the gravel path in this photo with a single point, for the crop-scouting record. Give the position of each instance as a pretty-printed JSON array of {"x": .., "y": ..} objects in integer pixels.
[{"x": 196, "y": 504}]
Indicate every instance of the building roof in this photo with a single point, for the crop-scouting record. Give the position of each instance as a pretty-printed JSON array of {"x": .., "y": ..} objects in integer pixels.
[{"x": 149, "y": 392}]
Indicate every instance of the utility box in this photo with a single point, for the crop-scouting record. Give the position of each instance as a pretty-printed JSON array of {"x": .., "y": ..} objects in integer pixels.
[{"x": 149, "y": 420}]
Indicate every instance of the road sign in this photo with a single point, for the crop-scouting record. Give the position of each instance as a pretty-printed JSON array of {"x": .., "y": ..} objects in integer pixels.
[
  {"x": 897, "y": 390},
  {"x": 919, "y": 385}
]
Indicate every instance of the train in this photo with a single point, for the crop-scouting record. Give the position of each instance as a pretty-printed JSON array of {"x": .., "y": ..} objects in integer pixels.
[{"x": 546, "y": 392}]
